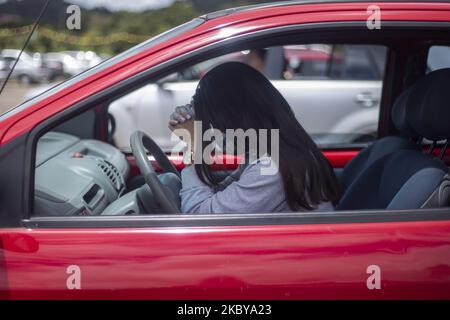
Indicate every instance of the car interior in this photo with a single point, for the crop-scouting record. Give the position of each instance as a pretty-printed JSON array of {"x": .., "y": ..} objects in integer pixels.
[{"x": 79, "y": 171}]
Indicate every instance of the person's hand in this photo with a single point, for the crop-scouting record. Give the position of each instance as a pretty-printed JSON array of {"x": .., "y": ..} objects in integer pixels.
[
  {"x": 183, "y": 118},
  {"x": 181, "y": 115}
]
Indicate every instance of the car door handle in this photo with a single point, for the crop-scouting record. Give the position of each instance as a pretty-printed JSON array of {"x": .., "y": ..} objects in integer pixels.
[{"x": 366, "y": 99}]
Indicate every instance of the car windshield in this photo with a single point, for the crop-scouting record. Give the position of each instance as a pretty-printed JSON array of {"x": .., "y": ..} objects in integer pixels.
[
  {"x": 76, "y": 38},
  {"x": 46, "y": 90}
]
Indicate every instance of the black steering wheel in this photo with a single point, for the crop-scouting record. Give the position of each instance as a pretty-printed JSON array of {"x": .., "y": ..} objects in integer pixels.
[{"x": 140, "y": 142}]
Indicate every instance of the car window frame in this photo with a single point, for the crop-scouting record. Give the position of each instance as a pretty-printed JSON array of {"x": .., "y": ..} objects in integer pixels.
[{"x": 170, "y": 220}]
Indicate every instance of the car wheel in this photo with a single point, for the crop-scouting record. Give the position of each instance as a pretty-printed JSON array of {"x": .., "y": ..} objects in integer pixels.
[{"x": 25, "y": 80}]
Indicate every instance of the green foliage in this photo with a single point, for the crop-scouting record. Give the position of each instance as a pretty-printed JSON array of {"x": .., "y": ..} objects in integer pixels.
[{"x": 98, "y": 24}]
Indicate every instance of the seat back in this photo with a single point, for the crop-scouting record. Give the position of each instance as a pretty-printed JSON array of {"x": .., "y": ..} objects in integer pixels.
[
  {"x": 405, "y": 179},
  {"x": 410, "y": 179},
  {"x": 384, "y": 146}
]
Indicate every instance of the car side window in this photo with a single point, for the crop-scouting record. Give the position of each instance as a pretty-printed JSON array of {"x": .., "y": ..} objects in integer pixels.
[
  {"x": 334, "y": 91},
  {"x": 438, "y": 58},
  {"x": 334, "y": 62}
]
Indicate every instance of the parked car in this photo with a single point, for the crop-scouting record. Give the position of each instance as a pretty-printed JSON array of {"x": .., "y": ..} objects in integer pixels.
[
  {"x": 87, "y": 58},
  {"x": 56, "y": 68},
  {"x": 70, "y": 65},
  {"x": 71, "y": 228},
  {"x": 27, "y": 70},
  {"x": 4, "y": 68}
]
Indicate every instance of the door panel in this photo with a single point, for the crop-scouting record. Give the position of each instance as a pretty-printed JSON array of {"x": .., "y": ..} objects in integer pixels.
[{"x": 260, "y": 262}]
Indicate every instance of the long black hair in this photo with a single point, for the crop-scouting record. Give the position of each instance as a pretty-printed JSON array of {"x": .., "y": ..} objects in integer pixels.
[{"x": 233, "y": 95}]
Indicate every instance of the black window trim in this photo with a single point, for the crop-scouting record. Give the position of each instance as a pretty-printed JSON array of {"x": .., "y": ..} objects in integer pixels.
[
  {"x": 214, "y": 219},
  {"x": 245, "y": 219}
]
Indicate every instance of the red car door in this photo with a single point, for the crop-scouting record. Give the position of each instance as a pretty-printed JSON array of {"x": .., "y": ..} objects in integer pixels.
[
  {"x": 395, "y": 254},
  {"x": 257, "y": 257}
]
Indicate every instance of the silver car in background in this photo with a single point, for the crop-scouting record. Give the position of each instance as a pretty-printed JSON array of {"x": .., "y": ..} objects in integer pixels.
[
  {"x": 74, "y": 62},
  {"x": 28, "y": 69}
]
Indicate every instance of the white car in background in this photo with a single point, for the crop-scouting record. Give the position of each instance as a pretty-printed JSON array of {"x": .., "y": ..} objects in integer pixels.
[
  {"x": 27, "y": 70},
  {"x": 71, "y": 66},
  {"x": 87, "y": 58},
  {"x": 74, "y": 62}
]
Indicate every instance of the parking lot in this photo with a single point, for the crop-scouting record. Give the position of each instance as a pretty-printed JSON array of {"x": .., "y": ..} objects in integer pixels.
[
  {"x": 34, "y": 71},
  {"x": 13, "y": 94}
]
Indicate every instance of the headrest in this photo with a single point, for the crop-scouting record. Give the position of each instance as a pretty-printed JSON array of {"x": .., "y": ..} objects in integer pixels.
[
  {"x": 399, "y": 115},
  {"x": 429, "y": 106}
]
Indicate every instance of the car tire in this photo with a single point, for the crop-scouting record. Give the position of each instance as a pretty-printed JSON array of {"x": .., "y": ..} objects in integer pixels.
[{"x": 25, "y": 80}]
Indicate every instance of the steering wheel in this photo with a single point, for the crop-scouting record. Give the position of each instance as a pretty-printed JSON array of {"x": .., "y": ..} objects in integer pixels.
[{"x": 140, "y": 142}]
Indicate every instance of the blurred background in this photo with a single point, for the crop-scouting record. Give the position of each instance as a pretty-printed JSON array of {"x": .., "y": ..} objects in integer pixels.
[{"x": 107, "y": 28}]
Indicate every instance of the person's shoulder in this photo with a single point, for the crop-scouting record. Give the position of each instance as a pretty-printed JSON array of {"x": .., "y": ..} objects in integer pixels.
[
  {"x": 260, "y": 161},
  {"x": 263, "y": 167}
]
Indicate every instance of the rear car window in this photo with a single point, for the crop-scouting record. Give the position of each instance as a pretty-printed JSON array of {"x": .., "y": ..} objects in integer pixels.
[
  {"x": 337, "y": 62},
  {"x": 438, "y": 58}
]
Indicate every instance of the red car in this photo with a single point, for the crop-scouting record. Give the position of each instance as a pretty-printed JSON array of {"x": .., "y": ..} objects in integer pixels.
[{"x": 55, "y": 244}]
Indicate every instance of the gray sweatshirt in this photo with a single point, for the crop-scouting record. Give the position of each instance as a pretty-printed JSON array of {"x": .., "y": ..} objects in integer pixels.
[{"x": 252, "y": 193}]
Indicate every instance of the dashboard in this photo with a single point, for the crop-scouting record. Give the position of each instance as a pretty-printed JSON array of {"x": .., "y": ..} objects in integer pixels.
[{"x": 75, "y": 177}]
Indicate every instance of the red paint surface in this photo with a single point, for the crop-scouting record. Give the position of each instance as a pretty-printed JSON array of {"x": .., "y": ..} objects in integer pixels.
[
  {"x": 340, "y": 158},
  {"x": 261, "y": 262}
]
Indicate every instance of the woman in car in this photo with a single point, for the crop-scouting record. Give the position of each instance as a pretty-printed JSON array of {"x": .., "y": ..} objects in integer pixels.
[{"x": 235, "y": 96}]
